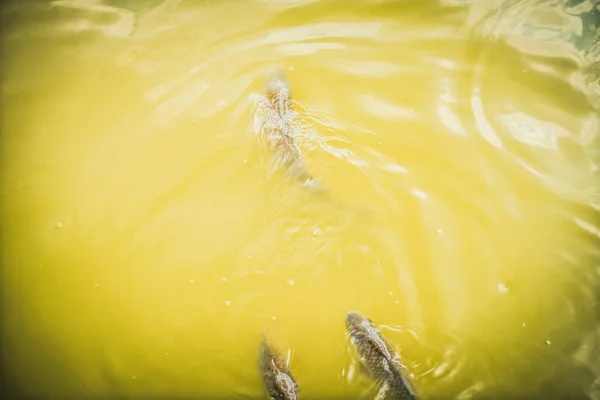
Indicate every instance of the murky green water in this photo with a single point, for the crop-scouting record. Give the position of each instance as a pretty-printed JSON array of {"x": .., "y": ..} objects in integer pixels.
[{"x": 145, "y": 246}]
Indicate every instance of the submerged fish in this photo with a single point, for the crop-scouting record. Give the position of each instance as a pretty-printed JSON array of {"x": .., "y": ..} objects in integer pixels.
[
  {"x": 277, "y": 377},
  {"x": 281, "y": 128},
  {"x": 379, "y": 359},
  {"x": 278, "y": 126}
]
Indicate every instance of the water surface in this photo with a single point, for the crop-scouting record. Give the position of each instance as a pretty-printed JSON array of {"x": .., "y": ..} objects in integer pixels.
[{"x": 145, "y": 247}]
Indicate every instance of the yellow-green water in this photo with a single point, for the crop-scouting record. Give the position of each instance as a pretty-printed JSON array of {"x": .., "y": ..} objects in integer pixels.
[{"x": 144, "y": 248}]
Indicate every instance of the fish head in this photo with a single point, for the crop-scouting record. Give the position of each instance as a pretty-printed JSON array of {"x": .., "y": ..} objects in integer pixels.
[
  {"x": 357, "y": 323},
  {"x": 277, "y": 85},
  {"x": 284, "y": 388},
  {"x": 279, "y": 382},
  {"x": 277, "y": 81},
  {"x": 365, "y": 335}
]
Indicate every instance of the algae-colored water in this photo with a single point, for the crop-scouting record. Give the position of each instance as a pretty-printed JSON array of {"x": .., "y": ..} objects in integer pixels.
[{"x": 145, "y": 247}]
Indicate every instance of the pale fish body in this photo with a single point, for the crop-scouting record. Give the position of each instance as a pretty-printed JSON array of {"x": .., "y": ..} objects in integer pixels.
[
  {"x": 378, "y": 357},
  {"x": 279, "y": 127}
]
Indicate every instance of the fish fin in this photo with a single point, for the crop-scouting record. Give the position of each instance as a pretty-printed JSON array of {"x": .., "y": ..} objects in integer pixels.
[
  {"x": 381, "y": 347},
  {"x": 382, "y": 392},
  {"x": 406, "y": 378},
  {"x": 363, "y": 371},
  {"x": 368, "y": 391}
]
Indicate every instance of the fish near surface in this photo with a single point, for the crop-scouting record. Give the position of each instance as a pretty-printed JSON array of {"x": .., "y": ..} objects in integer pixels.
[
  {"x": 277, "y": 377},
  {"x": 278, "y": 126},
  {"x": 379, "y": 359}
]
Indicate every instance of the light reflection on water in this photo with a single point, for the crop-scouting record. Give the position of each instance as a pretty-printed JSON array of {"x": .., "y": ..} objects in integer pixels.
[{"x": 146, "y": 246}]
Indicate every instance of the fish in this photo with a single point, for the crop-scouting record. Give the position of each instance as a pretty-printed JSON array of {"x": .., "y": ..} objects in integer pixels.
[
  {"x": 279, "y": 127},
  {"x": 379, "y": 359},
  {"x": 277, "y": 377}
]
